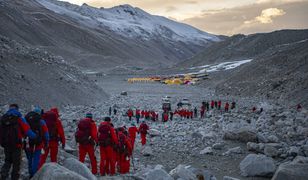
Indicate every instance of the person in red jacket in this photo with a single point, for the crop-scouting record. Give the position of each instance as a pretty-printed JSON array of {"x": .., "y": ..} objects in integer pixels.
[
  {"x": 130, "y": 114},
  {"x": 132, "y": 131},
  {"x": 124, "y": 151},
  {"x": 226, "y": 107},
  {"x": 56, "y": 133},
  {"x": 219, "y": 105},
  {"x": 138, "y": 114},
  {"x": 202, "y": 111},
  {"x": 212, "y": 104},
  {"x": 165, "y": 116},
  {"x": 142, "y": 114},
  {"x": 86, "y": 137},
  {"x": 143, "y": 130},
  {"x": 12, "y": 142},
  {"x": 107, "y": 139}
]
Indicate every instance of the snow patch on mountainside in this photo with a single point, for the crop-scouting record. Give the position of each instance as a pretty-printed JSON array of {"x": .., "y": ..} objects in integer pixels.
[
  {"x": 221, "y": 67},
  {"x": 130, "y": 22}
]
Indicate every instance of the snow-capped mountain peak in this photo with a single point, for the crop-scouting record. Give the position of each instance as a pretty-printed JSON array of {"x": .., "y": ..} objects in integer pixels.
[{"x": 130, "y": 22}]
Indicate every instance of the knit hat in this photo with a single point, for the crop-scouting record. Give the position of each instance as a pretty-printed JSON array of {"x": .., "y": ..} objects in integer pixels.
[{"x": 89, "y": 115}]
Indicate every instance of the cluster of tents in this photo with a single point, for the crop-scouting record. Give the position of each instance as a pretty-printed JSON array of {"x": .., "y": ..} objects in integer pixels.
[{"x": 181, "y": 79}]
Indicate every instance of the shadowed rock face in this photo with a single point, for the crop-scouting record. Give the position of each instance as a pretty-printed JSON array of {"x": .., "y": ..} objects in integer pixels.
[{"x": 35, "y": 77}]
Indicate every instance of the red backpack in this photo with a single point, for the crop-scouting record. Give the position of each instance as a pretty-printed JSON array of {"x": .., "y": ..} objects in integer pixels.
[
  {"x": 143, "y": 129},
  {"x": 51, "y": 123},
  {"x": 83, "y": 133},
  {"x": 104, "y": 135},
  {"x": 122, "y": 145}
]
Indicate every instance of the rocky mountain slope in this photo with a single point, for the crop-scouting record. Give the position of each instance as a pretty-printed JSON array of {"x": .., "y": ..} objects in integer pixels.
[
  {"x": 91, "y": 38},
  {"x": 278, "y": 69},
  {"x": 32, "y": 76},
  {"x": 280, "y": 73},
  {"x": 240, "y": 47}
]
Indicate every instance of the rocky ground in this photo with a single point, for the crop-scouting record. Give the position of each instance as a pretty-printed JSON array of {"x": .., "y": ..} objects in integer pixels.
[{"x": 239, "y": 144}]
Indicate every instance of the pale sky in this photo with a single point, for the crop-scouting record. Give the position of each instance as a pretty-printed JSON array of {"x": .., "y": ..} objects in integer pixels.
[{"x": 225, "y": 17}]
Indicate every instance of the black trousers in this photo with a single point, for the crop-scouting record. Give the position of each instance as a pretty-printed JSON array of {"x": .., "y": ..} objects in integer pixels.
[{"x": 12, "y": 158}]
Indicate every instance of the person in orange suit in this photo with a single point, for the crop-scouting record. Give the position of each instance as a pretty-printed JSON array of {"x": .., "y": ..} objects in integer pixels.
[
  {"x": 86, "y": 136},
  {"x": 132, "y": 131},
  {"x": 56, "y": 134},
  {"x": 124, "y": 151},
  {"x": 143, "y": 130},
  {"x": 107, "y": 139}
]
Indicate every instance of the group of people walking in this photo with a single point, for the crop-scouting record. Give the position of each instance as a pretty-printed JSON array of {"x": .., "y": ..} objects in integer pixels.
[
  {"x": 144, "y": 114},
  {"x": 40, "y": 133},
  {"x": 35, "y": 133},
  {"x": 116, "y": 145}
]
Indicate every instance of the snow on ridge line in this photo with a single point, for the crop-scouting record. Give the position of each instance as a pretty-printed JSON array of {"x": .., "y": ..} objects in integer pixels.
[
  {"x": 130, "y": 21},
  {"x": 221, "y": 67}
]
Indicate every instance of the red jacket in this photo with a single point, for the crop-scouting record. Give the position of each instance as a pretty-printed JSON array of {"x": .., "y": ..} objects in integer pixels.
[
  {"x": 59, "y": 125},
  {"x": 130, "y": 113},
  {"x": 227, "y": 105},
  {"x": 127, "y": 142},
  {"x": 219, "y": 103},
  {"x": 113, "y": 135},
  {"x": 137, "y": 112},
  {"x": 165, "y": 116},
  {"x": 143, "y": 128},
  {"x": 212, "y": 103},
  {"x": 133, "y": 132}
]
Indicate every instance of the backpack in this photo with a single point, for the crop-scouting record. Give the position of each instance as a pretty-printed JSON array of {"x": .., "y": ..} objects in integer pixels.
[
  {"x": 122, "y": 149},
  {"x": 104, "y": 135},
  {"x": 51, "y": 123},
  {"x": 83, "y": 133},
  {"x": 9, "y": 131},
  {"x": 34, "y": 121},
  {"x": 143, "y": 129}
]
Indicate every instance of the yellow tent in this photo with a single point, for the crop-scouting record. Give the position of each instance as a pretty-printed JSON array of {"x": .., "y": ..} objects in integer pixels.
[{"x": 177, "y": 81}]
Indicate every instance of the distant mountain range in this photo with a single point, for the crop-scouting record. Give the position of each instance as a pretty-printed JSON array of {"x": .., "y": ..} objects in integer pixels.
[{"x": 101, "y": 39}]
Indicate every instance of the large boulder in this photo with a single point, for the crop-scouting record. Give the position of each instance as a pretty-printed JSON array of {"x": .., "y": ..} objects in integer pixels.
[
  {"x": 158, "y": 174},
  {"x": 242, "y": 135},
  {"x": 218, "y": 146},
  {"x": 257, "y": 165},
  {"x": 293, "y": 151},
  {"x": 256, "y": 147},
  {"x": 273, "y": 139},
  {"x": 147, "y": 151},
  {"x": 79, "y": 168},
  {"x": 154, "y": 132},
  {"x": 271, "y": 151},
  {"x": 235, "y": 150},
  {"x": 181, "y": 172},
  {"x": 196, "y": 135},
  {"x": 207, "y": 150},
  {"x": 53, "y": 171},
  {"x": 229, "y": 178},
  {"x": 291, "y": 171}
]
